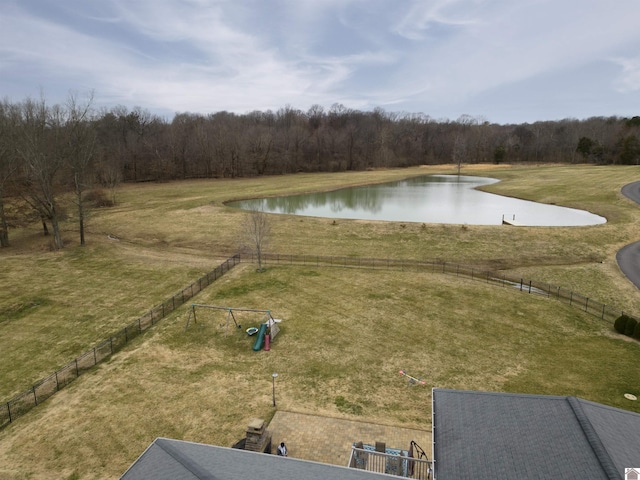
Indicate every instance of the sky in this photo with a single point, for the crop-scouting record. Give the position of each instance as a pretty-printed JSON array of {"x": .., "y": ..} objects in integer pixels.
[{"x": 502, "y": 61}]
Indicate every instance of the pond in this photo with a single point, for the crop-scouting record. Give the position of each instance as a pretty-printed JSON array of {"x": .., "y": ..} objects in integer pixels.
[{"x": 449, "y": 199}]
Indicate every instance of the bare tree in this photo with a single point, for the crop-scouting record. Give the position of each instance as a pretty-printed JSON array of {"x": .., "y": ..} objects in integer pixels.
[
  {"x": 111, "y": 151},
  {"x": 180, "y": 142},
  {"x": 8, "y": 163},
  {"x": 109, "y": 175},
  {"x": 205, "y": 148},
  {"x": 41, "y": 155},
  {"x": 80, "y": 150},
  {"x": 257, "y": 230},
  {"x": 459, "y": 151},
  {"x": 258, "y": 143}
]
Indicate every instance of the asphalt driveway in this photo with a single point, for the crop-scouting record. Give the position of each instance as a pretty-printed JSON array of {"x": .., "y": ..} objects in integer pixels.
[{"x": 628, "y": 257}]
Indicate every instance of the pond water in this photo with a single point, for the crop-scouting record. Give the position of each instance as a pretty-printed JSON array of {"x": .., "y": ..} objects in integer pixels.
[{"x": 449, "y": 199}]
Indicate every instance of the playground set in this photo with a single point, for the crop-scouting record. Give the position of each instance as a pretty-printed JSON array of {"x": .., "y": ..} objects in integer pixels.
[{"x": 265, "y": 333}]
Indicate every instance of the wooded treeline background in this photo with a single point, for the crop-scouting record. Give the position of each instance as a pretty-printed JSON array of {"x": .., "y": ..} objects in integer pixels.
[{"x": 50, "y": 150}]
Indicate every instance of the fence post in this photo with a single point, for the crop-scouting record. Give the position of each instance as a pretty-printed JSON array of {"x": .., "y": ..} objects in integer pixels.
[{"x": 329, "y": 259}]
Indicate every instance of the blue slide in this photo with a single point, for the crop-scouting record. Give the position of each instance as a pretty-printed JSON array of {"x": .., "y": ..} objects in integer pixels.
[{"x": 257, "y": 346}]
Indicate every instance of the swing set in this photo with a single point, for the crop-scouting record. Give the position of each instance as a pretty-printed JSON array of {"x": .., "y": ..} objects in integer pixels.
[{"x": 231, "y": 317}]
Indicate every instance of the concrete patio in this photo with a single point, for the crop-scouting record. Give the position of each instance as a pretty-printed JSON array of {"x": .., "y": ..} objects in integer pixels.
[{"x": 329, "y": 440}]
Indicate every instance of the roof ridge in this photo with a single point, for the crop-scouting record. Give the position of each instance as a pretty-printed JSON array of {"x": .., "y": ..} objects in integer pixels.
[
  {"x": 593, "y": 439},
  {"x": 184, "y": 460},
  {"x": 501, "y": 394}
]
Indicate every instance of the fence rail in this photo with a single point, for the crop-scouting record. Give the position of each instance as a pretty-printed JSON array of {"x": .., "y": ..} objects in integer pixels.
[
  {"x": 589, "y": 305},
  {"x": 45, "y": 388}
]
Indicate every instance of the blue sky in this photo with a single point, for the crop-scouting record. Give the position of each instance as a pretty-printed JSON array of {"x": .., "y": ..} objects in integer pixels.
[{"x": 506, "y": 61}]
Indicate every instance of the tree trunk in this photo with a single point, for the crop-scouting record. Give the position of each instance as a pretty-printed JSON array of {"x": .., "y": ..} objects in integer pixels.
[
  {"x": 57, "y": 237},
  {"x": 45, "y": 229},
  {"x": 81, "y": 216},
  {"x": 4, "y": 228},
  {"x": 259, "y": 253}
]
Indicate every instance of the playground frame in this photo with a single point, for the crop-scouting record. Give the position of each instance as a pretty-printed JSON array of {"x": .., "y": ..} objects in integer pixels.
[{"x": 230, "y": 315}]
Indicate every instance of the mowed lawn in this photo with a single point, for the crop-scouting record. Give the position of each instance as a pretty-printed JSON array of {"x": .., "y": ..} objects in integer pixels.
[{"x": 345, "y": 334}]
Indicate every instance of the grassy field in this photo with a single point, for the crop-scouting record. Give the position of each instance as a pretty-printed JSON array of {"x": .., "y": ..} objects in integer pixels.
[{"x": 345, "y": 332}]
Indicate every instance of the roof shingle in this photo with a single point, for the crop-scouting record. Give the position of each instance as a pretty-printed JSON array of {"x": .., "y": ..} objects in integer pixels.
[{"x": 498, "y": 435}]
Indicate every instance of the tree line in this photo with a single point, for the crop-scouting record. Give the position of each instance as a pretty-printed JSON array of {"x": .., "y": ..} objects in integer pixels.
[{"x": 47, "y": 151}]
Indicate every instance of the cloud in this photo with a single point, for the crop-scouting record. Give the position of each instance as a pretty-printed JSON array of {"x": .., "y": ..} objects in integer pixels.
[
  {"x": 465, "y": 53},
  {"x": 629, "y": 79},
  {"x": 427, "y": 18},
  {"x": 241, "y": 55}
]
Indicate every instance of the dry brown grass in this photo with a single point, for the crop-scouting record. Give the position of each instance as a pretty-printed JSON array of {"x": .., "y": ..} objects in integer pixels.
[
  {"x": 345, "y": 334},
  {"x": 203, "y": 386}
]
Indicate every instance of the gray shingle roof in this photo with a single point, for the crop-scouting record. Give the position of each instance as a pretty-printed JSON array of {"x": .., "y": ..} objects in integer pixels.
[
  {"x": 167, "y": 459},
  {"x": 486, "y": 435}
]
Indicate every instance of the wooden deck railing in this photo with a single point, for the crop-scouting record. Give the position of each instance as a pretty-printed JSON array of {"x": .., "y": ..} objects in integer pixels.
[{"x": 389, "y": 463}]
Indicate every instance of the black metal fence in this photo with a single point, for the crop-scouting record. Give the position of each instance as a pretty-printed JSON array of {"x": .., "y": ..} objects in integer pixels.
[
  {"x": 583, "y": 302},
  {"x": 46, "y": 387}
]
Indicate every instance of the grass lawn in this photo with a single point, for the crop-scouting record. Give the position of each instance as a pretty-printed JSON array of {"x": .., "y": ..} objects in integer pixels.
[{"x": 345, "y": 332}]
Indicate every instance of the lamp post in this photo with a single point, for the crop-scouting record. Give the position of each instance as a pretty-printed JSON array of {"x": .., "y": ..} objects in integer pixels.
[{"x": 273, "y": 382}]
